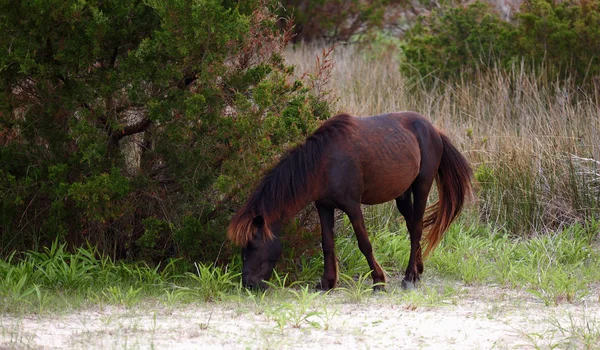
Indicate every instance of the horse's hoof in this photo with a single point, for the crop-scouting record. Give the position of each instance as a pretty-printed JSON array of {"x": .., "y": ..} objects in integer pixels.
[
  {"x": 323, "y": 287},
  {"x": 406, "y": 285},
  {"x": 378, "y": 288}
]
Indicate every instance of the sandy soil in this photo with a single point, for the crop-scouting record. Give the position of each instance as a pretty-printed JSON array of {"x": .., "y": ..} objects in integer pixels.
[{"x": 471, "y": 318}]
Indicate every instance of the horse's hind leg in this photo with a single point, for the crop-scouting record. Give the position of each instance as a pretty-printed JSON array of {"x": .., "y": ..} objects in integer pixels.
[
  {"x": 414, "y": 222},
  {"x": 330, "y": 270},
  {"x": 405, "y": 206},
  {"x": 355, "y": 215}
]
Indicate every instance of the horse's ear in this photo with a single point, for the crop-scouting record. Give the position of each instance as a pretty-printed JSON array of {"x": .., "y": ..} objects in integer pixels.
[{"x": 258, "y": 221}]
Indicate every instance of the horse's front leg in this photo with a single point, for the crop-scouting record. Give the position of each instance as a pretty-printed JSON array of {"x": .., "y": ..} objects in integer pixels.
[
  {"x": 330, "y": 271},
  {"x": 364, "y": 244}
]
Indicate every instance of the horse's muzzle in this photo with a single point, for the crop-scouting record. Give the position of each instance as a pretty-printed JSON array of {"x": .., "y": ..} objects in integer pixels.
[{"x": 254, "y": 285}]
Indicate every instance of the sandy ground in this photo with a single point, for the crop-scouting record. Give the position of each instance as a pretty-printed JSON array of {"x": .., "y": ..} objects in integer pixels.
[{"x": 470, "y": 318}]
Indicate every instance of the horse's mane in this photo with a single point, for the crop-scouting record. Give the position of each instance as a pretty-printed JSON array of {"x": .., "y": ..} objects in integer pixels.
[{"x": 284, "y": 188}]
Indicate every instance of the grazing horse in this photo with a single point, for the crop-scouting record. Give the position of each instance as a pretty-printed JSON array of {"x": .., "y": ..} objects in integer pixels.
[{"x": 347, "y": 162}]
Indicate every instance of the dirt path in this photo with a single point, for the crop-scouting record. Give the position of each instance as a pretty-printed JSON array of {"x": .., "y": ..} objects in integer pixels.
[{"x": 468, "y": 318}]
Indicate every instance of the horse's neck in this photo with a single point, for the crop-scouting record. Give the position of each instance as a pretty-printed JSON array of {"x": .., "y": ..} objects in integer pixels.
[
  {"x": 291, "y": 187},
  {"x": 288, "y": 211},
  {"x": 299, "y": 204}
]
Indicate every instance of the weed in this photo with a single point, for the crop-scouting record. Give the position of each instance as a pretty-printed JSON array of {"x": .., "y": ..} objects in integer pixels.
[
  {"x": 61, "y": 269},
  {"x": 281, "y": 282},
  {"x": 556, "y": 286},
  {"x": 583, "y": 333},
  {"x": 16, "y": 291},
  {"x": 297, "y": 312},
  {"x": 204, "y": 325},
  {"x": 257, "y": 297},
  {"x": 427, "y": 296},
  {"x": 536, "y": 340},
  {"x": 327, "y": 315},
  {"x": 357, "y": 290},
  {"x": 171, "y": 298},
  {"x": 118, "y": 295},
  {"x": 574, "y": 332},
  {"x": 43, "y": 299},
  {"x": 309, "y": 269},
  {"x": 211, "y": 283}
]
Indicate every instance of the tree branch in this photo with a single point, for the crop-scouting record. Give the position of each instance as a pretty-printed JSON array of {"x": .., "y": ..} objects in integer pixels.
[
  {"x": 113, "y": 57},
  {"x": 131, "y": 130}
]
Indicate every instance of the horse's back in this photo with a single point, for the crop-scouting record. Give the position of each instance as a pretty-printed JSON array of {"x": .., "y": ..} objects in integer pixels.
[{"x": 381, "y": 158}]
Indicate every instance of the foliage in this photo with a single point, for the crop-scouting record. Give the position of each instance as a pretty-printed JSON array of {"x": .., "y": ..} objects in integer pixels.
[
  {"x": 210, "y": 283},
  {"x": 298, "y": 312},
  {"x": 357, "y": 290},
  {"x": 140, "y": 126},
  {"x": 562, "y": 37},
  {"x": 455, "y": 39},
  {"x": 557, "y": 267},
  {"x": 55, "y": 278},
  {"x": 339, "y": 20}
]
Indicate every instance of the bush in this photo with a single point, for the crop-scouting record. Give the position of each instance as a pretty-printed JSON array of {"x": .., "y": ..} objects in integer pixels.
[
  {"x": 456, "y": 39},
  {"x": 563, "y": 35},
  {"x": 339, "y": 20},
  {"x": 140, "y": 126},
  {"x": 561, "y": 39}
]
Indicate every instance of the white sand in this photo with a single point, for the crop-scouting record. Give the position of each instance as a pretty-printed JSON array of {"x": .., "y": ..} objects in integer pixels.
[{"x": 473, "y": 318}]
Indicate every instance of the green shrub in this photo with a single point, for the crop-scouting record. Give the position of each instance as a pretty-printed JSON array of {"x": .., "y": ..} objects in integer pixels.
[
  {"x": 563, "y": 35},
  {"x": 562, "y": 39},
  {"x": 457, "y": 39},
  {"x": 140, "y": 126},
  {"x": 339, "y": 20}
]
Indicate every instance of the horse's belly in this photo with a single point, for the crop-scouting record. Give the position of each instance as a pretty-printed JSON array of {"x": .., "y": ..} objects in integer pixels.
[{"x": 388, "y": 182}]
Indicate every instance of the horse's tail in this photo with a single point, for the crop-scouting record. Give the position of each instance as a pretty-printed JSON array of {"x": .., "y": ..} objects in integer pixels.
[{"x": 454, "y": 187}]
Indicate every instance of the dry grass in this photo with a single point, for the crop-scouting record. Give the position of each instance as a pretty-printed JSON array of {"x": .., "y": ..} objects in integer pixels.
[{"x": 535, "y": 144}]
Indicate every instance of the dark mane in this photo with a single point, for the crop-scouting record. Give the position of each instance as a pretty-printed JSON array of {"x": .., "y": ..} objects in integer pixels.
[{"x": 284, "y": 188}]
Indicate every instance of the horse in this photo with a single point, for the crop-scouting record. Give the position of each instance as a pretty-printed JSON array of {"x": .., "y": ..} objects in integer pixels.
[{"x": 346, "y": 162}]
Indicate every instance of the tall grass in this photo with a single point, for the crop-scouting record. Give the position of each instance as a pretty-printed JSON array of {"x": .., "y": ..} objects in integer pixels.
[{"x": 534, "y": 144}]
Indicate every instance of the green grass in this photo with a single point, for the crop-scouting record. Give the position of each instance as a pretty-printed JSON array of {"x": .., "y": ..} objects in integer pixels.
[
  {"x": 555, "y": 267},
  {"x": 298, "y": 310},
  {"x": 559, "y": 267},
  {"x": 55, "y": 279}
]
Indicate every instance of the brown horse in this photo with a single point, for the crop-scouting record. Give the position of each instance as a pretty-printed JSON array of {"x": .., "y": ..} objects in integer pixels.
[{"x": 346, "y": 162}]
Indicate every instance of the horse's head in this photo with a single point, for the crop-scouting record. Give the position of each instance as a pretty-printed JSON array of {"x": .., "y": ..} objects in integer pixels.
[{"x": 260, "y": 255}]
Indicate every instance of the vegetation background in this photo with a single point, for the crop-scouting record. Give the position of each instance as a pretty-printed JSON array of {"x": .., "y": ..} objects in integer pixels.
[{"x": 140, "y": 127}]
